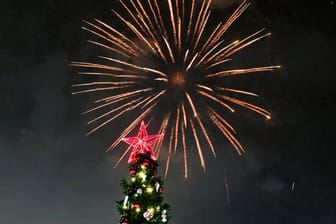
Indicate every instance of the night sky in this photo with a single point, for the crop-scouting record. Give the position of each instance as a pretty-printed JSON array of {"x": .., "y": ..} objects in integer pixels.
[{"x": 52, "y": 173}]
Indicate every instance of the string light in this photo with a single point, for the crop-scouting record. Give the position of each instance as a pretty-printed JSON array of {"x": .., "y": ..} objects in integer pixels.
[
  {"x": 149, "y": 190},
  {"x": 142, "y": 175}
]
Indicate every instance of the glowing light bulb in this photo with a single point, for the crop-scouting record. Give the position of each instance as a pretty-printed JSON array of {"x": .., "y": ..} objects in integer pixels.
[
  {"x": 149, "y": 190},
  {"x": 137, "y": 208},
  {"x": 151, "y": 210},
  {"x": 142, "y": 175}
]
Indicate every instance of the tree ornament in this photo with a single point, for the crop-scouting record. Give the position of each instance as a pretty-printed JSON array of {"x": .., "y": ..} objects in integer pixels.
[
  {"x": 141, "y": 144},
  {"x": 124, "y": 222},
  {"x": 139, "y": 191},
  {"x": 148, "y": 214},
  {"x": 164, "y": 215},
  {"x": 132, "y": 171},
  {"x": 157, "y": 186},
  {"x": 137, "y": 207},
  {"x": 125, "y": 202}
]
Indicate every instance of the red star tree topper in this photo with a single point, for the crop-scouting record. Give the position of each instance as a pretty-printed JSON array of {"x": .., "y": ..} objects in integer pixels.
[{"x": 142, "y": 143}]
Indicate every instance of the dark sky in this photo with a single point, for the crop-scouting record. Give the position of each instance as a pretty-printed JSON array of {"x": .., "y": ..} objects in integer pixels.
[{"x": 51, "y": 173}]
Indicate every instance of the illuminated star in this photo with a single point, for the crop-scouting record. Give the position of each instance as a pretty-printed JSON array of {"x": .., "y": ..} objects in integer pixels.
[{"x": 142, "y": 143}]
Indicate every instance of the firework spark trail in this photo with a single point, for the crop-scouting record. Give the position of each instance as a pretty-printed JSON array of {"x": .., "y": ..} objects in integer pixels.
[
  {"x": 98, "y": 66},
  {"x": 168, "y": 58},
  {"x": 123, "y": 156},
  {"x": 206, "y": 135},
  {"x": 184, "y": 151},
  {"x": 108, "y": 47},
  {"x": 102, "y": 83},
  {"x": 122, "y": 96},
  {"x": 228, "y": 135},
  {"x": 190, "y": 18},
  {"x": 204, "y": 87},
  {"x": 242, "y": 7},
  {"x": 200, "y": 14},
  {"x": 201, "y": 24},
  {"x": 237, "y": 91},
  {"x": 169, "y": 150},
  {"x": 129, "y": 107},
  {"x": 228, "y": 54},
  {"x": 219, "y": 63},
  {"x": 252, "y": 107},
  {"x": 135, "y": 66},
  {"x": 208, "y": 53},
  {"x": 131, "y": 14},
  {"x": 241, "y": 71},
  {"x": 163, "y": 129},
  {"x": 184, "y": 115},
  {"x": 200, "y": 152},
  {"x": 191, "y": 103},
  {"x": 212, "y": 112},
  {"x": 214, "y": 98},
  {"x": 138, "y": 33},
  {"x": 121, "y": 35},
  {"x": 154, "y": 98},
  {"x": 112, "y": 39},
  {"x": 172, "y": 21},
  {"x": 227, "y": 191},
  {"x": 212, "y": 59},
  {"x": 100, "y": 89},
  {"x": 108, "y": 103},
  {"x": 176, "y": 128},
  {"x": 158, "y": 10},
  {"x": 151, "y": 32},
  {"x": 107, "y": 74},
  {"x": 154, "y": 15},
  {"x": 114, "y": 110},
  {"x": 179, "y": 35}
]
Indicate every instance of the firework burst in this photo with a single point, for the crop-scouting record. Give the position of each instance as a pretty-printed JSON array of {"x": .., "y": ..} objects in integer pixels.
[{"x": 167, "y": 63}]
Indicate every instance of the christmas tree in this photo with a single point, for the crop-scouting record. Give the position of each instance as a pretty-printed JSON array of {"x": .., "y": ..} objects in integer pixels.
[{"x": 143, "y": 202}]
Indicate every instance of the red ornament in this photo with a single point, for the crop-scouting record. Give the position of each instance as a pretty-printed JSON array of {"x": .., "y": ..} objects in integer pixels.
[
  {"x": 124, "y": 222},
  {"x": 142, "y": 143},
  {"x": 132, "y": 171},
  {"x": 136, "y": 206}
]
